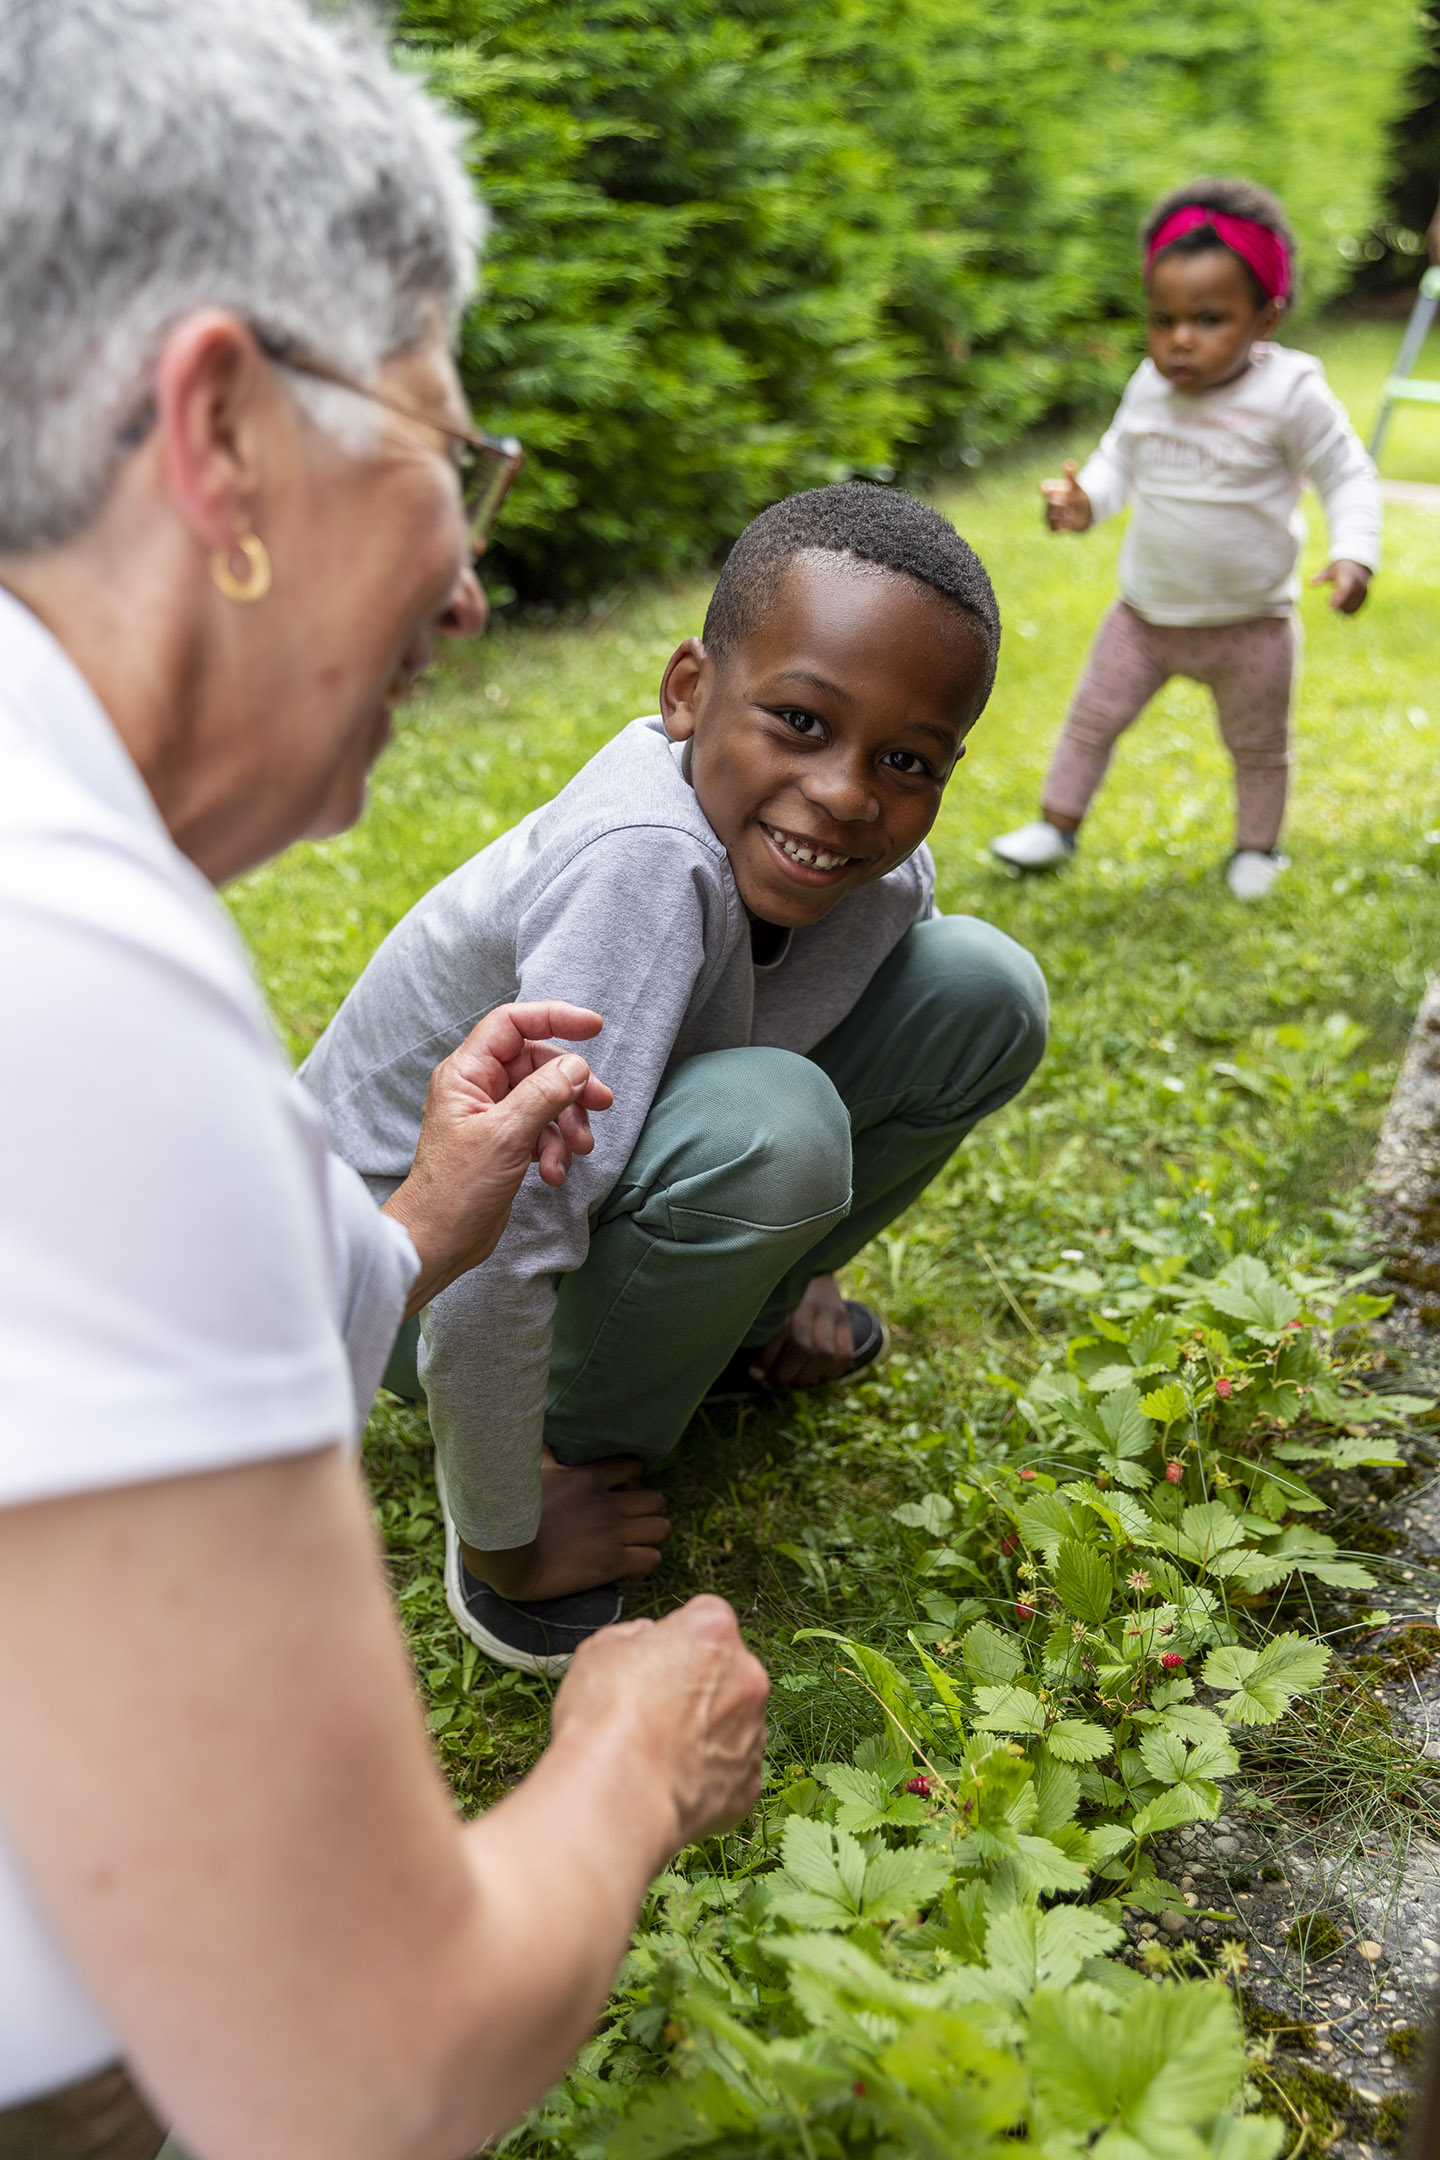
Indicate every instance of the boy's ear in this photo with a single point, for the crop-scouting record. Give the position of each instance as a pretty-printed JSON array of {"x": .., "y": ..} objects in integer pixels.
[{"x": 680, "y": 686}]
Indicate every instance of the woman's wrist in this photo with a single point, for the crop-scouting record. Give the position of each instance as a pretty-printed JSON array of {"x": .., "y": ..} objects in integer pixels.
[
  {"x": 405, "y": 1208},
  {"x": 615, "y": 1804}
]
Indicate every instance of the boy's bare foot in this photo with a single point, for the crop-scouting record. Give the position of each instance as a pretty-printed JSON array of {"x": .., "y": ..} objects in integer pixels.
[
  {"x": 597, "y": 1523},
  {"x": 815, "y": 1344}
]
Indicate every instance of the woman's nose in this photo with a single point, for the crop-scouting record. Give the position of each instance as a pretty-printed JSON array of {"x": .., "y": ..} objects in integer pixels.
[{"x": 466, "y": 610}]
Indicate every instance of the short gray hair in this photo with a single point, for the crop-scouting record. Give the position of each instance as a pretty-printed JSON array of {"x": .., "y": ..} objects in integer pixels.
[{"x": 159, "y": 156}]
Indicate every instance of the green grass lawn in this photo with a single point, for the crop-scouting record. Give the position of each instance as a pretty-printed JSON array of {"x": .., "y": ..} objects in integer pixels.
[
  {"x": 1359, "y": 356},
  {"x": 1129, "y": 1132}
]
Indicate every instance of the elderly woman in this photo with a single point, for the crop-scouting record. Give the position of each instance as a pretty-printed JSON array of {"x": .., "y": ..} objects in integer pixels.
[{"x": 233, "y": 246}]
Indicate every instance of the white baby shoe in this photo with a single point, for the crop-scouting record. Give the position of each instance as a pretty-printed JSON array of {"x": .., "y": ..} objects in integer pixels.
[
  {"x": 1034, "y": 847},
  {"x": 1250, "y": 874}
]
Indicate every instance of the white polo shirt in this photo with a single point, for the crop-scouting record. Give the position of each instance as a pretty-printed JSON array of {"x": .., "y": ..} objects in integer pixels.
[{"x": 188, "y": 1278}]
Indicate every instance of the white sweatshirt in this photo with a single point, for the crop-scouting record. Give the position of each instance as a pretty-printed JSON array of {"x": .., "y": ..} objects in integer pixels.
[{"x": 1216, "y": 479}]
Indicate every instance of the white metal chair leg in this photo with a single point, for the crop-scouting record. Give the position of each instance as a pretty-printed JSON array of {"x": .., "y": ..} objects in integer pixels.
[{"x": 1403, "y": 388}]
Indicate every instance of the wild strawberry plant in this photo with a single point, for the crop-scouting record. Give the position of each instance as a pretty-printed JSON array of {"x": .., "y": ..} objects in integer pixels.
[{"x": 916, "y": 1951}]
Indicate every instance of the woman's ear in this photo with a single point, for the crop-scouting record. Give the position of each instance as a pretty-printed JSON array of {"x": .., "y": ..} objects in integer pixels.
[
  {"x": 681, "y": 687},
  {"x": 209, "y": 386}
]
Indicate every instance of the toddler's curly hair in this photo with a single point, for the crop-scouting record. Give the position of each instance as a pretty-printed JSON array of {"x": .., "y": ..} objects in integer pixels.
[{"x": 1232, "y": 198}]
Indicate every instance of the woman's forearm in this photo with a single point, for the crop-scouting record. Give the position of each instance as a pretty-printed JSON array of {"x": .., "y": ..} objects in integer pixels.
[{"x": 267, "y": 1893}]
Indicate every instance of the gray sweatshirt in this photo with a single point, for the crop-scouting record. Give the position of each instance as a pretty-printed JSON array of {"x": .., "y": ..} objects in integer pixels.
[{"x": 616, "y": 895}]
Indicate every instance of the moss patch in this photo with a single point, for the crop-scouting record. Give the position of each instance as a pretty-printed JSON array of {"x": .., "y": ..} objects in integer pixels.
[
  {"x": 1413, "y": 1650},
  {"x": 1265, "y": 2023},
  {"x": 1314, "y": 1935},
  {"x": 1393, "y": 2118},
  {"x": 1406, "y": 2043},
  {"x": 1317, "y": 2101},
  {"x": 1371, "y": 1537}
]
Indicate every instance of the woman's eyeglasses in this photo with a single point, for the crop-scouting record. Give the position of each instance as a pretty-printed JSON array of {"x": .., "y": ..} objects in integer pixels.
[{"x": 487, "y": 464}]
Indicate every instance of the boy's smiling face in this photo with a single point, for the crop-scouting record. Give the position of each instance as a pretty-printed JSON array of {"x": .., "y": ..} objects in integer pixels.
[{"x": 819, "y": 747}]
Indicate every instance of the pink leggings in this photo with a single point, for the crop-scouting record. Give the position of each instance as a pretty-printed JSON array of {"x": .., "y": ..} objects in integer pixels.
[{"x": 1249, "y": 667}]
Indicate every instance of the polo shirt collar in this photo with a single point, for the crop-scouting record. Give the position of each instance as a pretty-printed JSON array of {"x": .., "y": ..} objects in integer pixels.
[{"x": 44, "y": 691}]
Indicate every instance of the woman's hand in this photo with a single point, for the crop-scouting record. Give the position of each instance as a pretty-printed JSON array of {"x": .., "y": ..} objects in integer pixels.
[
  {"x": 506, "y": 1098},
  {"x": 1067, "y": 506},
  {"x": 685, "y": 1700}
]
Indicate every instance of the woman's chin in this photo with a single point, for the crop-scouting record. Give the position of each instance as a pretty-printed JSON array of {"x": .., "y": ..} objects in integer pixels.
[{"x": 344, "y": 800}]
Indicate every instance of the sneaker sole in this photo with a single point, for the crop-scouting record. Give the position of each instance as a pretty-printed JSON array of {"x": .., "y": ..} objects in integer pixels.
[
  {"x": 499, "y": 1653},
  {"x": 1032, "y": 869}
]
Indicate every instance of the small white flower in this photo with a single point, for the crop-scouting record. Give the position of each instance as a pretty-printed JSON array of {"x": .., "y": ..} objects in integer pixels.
[{"x": 1071, "y": 1254}]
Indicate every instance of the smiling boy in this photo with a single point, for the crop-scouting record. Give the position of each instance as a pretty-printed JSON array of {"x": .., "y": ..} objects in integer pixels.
[{"x": 795, "y": 1039}]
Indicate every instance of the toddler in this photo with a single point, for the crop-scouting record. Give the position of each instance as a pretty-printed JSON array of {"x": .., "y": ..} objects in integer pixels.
[
  {"x": 795, "y": 1038},
  {"x": 1215, "y": 434}
]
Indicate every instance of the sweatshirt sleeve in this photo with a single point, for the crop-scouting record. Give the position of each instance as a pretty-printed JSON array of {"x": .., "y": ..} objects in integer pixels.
[
  {"x": 1108, "y": 476},
  {"x": 631, "y": 928},
  {"x": 1322, "y": 443}
]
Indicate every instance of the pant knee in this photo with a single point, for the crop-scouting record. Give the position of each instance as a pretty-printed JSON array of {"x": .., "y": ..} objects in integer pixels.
[
  {"x": 770, "y": 1139},
  {"x": 990, "y": 998}
]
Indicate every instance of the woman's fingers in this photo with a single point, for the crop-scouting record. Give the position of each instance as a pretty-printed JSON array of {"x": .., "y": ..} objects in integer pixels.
[{"x": 512, "y": 1041}]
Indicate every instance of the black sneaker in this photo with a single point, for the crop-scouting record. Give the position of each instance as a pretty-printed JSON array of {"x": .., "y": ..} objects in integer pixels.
[
  {"x": 868, "y": 1333},
  {"x": 540, "y": 1635}
]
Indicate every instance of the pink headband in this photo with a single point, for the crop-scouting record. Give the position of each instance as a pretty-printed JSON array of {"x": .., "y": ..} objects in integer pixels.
[{"x": 1255, "y": 244}]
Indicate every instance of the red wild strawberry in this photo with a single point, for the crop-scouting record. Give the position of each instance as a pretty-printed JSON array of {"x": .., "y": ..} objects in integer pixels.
[
  {"x": 1293, "y": 1324},
  {"x": 858, "y": 2088},
  {"x": 1009, "y": 1543},
  {"x": 1224, "y": 1387},
  {"x": 920, "y": 1786},
  {"x": 1024, "y": 1611},
  {"x": 1173, "y": 1473},
  {"x": 1171, "y": 1660},
  {"x": 1027, "y": 1475}
]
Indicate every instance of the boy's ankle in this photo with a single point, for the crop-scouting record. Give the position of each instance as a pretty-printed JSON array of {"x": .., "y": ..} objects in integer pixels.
[{"x": 509, "y": 1571}]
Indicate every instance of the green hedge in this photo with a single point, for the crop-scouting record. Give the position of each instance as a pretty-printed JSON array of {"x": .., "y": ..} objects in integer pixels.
[{"x": 742, "y": 248}]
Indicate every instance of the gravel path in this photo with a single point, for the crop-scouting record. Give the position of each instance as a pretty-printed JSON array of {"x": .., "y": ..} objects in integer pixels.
[{"x": 1343, "y": 2003}]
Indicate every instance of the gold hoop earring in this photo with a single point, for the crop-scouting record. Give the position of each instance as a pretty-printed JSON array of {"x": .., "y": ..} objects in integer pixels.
[{"x": 256, "y": 581}]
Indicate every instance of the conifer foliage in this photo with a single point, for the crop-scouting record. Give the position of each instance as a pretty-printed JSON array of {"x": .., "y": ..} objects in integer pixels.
[{"x": 747, "y": 246}]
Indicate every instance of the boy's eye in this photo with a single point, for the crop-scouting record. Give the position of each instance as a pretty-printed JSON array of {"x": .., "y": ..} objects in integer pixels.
[
  {"x": 801, "y": 721},
  {"x": 910, "y": 763}
]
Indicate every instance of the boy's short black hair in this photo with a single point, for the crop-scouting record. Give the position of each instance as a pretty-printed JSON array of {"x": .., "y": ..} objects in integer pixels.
[
  {"x": 875, "y": 524},
  {"x": 1232, "y": 198}
]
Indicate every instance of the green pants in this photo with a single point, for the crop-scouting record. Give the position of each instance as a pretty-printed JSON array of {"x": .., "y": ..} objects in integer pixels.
[{"x": 758, "y": 1168}]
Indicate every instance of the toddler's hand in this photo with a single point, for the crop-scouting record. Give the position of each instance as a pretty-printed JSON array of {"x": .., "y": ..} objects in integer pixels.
[
  {"x": 1067, "y": 506},
  {"x": 1351, "y": 581}
]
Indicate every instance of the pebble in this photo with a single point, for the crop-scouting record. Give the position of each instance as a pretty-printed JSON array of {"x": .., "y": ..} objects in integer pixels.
[
  {"x": 1173, "y": 1923},
  {"x": 1372, "y": 1952},
  {"x": 1227, "y": 1845}
]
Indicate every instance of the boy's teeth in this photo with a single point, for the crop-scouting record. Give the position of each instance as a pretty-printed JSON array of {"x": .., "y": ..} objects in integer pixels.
[{"x": 814, "y": 858}]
